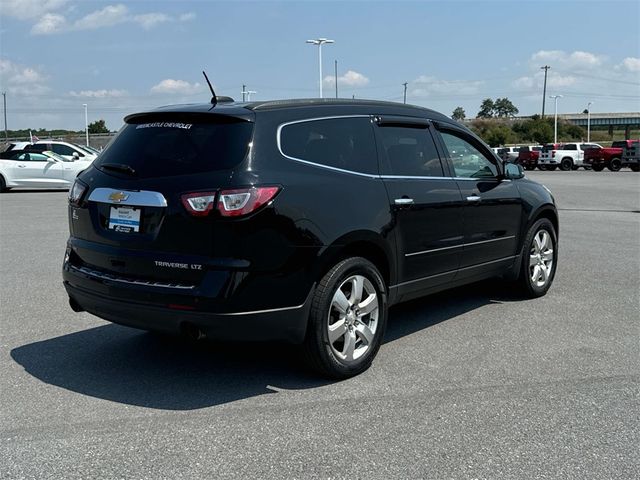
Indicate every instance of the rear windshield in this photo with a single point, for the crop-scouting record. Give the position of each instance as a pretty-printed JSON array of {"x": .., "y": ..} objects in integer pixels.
[
  {"x": 619, "y": 145},
  {"x": 523, "y": 149},
  {"x": 548, "y": 148},
  {"x": 159, "y": 147}
]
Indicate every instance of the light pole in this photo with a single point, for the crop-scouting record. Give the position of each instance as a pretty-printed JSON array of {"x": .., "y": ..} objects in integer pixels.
[
  {"x": 589, "y": 121},
  {"x": 319, "y": 42},
  {"x": 555, "y": 118},
  {"x": 86, "y": 123},
  {"x": 247, "y": 93}
]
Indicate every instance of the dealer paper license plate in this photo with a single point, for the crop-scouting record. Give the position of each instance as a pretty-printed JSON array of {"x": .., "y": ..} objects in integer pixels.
[{"x": 124, "y": 219}]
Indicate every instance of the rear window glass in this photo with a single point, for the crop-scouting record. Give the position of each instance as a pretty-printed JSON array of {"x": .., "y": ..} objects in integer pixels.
[
  {"x": 548, "y": 148},
  {"x": 523, "y": 149},
  {"x": 619, "y": 145},
  {"x": 570, "y": 146},
  {"x": 155, "y": 147},
  {"x": 345, "y": 143}
]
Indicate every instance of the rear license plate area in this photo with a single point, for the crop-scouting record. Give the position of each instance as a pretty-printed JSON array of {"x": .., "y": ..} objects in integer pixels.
[{"x": 125, "y": 219}]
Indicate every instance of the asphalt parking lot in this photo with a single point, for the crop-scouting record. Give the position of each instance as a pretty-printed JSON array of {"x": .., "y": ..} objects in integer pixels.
[{"x": 474, "y": 383}]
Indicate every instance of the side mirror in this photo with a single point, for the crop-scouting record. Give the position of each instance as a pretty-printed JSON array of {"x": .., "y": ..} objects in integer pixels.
[
  {"x": 76, "y": 156},
  {"x": 513, "y": 171}
]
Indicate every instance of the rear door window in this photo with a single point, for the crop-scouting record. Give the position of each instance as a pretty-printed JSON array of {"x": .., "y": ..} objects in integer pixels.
[
  {"x": 409, "y": 152},
  {"x": 189, "y": 144},
  {"x": 64, "y": 150},
  {"x": 570, "y": 146},
  {"x": 345, "y": 143}
]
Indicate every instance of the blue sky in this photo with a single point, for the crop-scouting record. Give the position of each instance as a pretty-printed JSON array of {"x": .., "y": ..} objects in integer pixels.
[{"x": 121, "y": 57}]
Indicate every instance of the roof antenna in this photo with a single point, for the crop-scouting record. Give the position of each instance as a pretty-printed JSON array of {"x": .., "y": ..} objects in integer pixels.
[{"x": 214, "y": 99}]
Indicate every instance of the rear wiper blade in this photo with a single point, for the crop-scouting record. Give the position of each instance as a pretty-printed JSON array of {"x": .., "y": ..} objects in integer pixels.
[{"x": 121, "y": 167}]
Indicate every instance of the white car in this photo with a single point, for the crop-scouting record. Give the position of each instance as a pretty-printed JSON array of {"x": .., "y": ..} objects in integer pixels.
[
  {"x": 70, "y": 151},
  {"x": 568, "y": 156},
  {"x": 21, "y": 168}
]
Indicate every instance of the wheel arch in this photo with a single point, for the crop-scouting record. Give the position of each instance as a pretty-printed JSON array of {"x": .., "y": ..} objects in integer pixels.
[{"x": 366, "y": 244}]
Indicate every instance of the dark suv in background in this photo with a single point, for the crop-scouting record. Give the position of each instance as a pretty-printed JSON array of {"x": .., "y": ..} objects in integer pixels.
[{"x": 298, "y": 220}]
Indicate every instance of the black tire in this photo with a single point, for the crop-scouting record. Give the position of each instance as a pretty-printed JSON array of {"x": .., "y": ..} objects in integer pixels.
[
  {"x": 552, "y": 167},
  {"x": 615, "y": 165},
  {"x": 528, "y": 287},
  {"x": 529, "y": 167},
  {"x": 566, "y": 164},
  {"x": 320, "y": 354},
  {"x": 598, "y": 168},
  {"x": 3, "y": 185},
  {"x": 635, "y": 168},
  {"x": 542, "y": 167}
]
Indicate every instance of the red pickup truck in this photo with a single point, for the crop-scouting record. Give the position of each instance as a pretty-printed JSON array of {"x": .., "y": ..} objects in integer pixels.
[
  {"x": 528, "y": 156},
  {"x": 611, "y": 157}
]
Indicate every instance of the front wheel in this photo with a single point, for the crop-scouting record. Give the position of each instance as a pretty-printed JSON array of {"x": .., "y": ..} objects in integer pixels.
[
  {"x": 598, "y": 168},
  {"x": 347, "y": 319},
  {"x": 539, "y": 259}
]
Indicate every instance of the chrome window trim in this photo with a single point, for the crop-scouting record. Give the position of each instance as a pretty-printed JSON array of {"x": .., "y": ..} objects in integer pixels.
[
  {"x": 504, "y": 259},
  {"x": 307, "y": 162},
  {"x": 460, "y": 246},
  {"x": 138, "y": 198},
  {"x": 413, "y": 177}
]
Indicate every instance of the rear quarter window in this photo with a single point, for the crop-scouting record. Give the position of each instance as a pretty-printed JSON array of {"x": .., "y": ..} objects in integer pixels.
[{"x": 344, "y": 143}]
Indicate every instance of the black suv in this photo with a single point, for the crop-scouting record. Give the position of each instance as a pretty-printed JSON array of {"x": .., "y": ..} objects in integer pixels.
[{"x": 297, "y": 220}]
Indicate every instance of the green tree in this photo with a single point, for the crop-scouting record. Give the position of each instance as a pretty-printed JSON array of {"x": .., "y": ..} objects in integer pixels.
[
  {"x": 503, "y": 107},
  {"x": 98, "y": 127},
  {"x": 459, "y": 114},
  {"x": 486, "y": 109}
]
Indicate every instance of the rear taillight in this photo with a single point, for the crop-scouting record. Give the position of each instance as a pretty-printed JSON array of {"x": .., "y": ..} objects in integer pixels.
[
  {"x": 199, "y": 204},
  {"x": 242, "y": 201},
  {"x": 553, "y": 153},
  {"x": 76, "y": 193}
]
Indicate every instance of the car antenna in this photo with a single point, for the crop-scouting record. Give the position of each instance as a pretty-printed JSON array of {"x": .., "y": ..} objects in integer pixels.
[{"x": 214, "y": 99}]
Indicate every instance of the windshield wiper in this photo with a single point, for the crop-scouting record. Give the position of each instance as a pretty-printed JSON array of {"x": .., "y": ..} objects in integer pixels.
[{"x": 120, "y": 167}]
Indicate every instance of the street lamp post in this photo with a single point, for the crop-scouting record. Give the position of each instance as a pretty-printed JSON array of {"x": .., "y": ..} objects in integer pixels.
[
  {"x": 86, "y": 123},
  {"x": 555, "y": 118},
  {"x": 589, "y": 121},
  {"x": 319, "y": 42}
]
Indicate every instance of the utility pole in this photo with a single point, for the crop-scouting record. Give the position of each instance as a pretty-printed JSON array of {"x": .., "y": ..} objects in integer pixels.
[
  {"x": 589, "y": 121},
  {"x": 4, "y": 105},
  {"x": 405, "y": 92},
  {"x": 86, "y": 123},
  {"x": 244, "y": 92},
  {"x": 544, "y": 89},
  {"x": 336, "y": 72}
]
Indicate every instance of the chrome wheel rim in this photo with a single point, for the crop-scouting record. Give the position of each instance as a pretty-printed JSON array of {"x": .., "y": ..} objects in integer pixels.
[
  {"x": 541, "y": 258},
  {"x": 353, "y": 318}
]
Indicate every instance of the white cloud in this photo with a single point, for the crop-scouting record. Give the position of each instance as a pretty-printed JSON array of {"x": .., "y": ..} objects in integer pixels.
[
  {"x": 150, "y": 20},
  {"x": 425, "y": 86},
  {"x": 21, "y": 79},
  {"x": 28, "y": 9},
  {"x": 114, "y": 93},
  {"x": 49, "y": 23},
  {"x": 187, "y": 17},
  {"x": 631, "y": 63},
  {"x": 349, "y": 79},
  {"x": 536, "y": 81},
  {"x": 563, "y": 60},
  {"x": 107, "y": 17},
  {"x": 176, "y": 87}
]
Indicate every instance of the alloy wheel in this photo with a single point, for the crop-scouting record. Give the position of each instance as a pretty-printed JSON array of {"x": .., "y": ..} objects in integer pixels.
[
  {"x": 353, "y": 318},
  {"x": 541, "y": 258}
]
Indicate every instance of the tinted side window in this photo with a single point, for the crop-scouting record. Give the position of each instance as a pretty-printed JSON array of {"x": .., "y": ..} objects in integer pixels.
[
  {"x": 37, "y": 147},
  {"x": 32, "y": 157},
  {"x": 467, "y": 160},
  {"x": 345, "y": 143},
  {"x": 64, "y": 150},
  {"x": 409, "y": 152},
  {"x": 570, "y": 146}
]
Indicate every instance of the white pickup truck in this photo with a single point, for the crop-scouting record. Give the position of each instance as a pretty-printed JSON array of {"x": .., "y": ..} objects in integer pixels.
[{"x": 568, "y": 156}]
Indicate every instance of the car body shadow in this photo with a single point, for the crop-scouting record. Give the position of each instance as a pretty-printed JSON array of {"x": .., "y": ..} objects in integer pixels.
[{"x": 138, "y": 368}]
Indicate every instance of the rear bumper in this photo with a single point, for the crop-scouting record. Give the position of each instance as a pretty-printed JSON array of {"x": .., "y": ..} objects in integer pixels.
[{"x": 280, "y": 324}]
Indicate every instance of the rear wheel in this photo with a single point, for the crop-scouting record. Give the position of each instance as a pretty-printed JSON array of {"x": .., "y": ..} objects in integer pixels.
[
  {"x": 635, "y": 168},
  {"x": 615, "y": 164},
  {"x": 552, "y": 167},
  {"x": 542, "y": 167},
  {"x": 598, "y": 168},
  {"x": 347, "y": 320},
  {"x": 3, "y": 185},
  {"x": 539, "y": 259},
  {"x": 566, "y": 164}
]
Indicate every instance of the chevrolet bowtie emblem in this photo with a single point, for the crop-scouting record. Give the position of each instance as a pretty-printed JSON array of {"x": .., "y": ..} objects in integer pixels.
[{"x": 118, "y": 197}]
